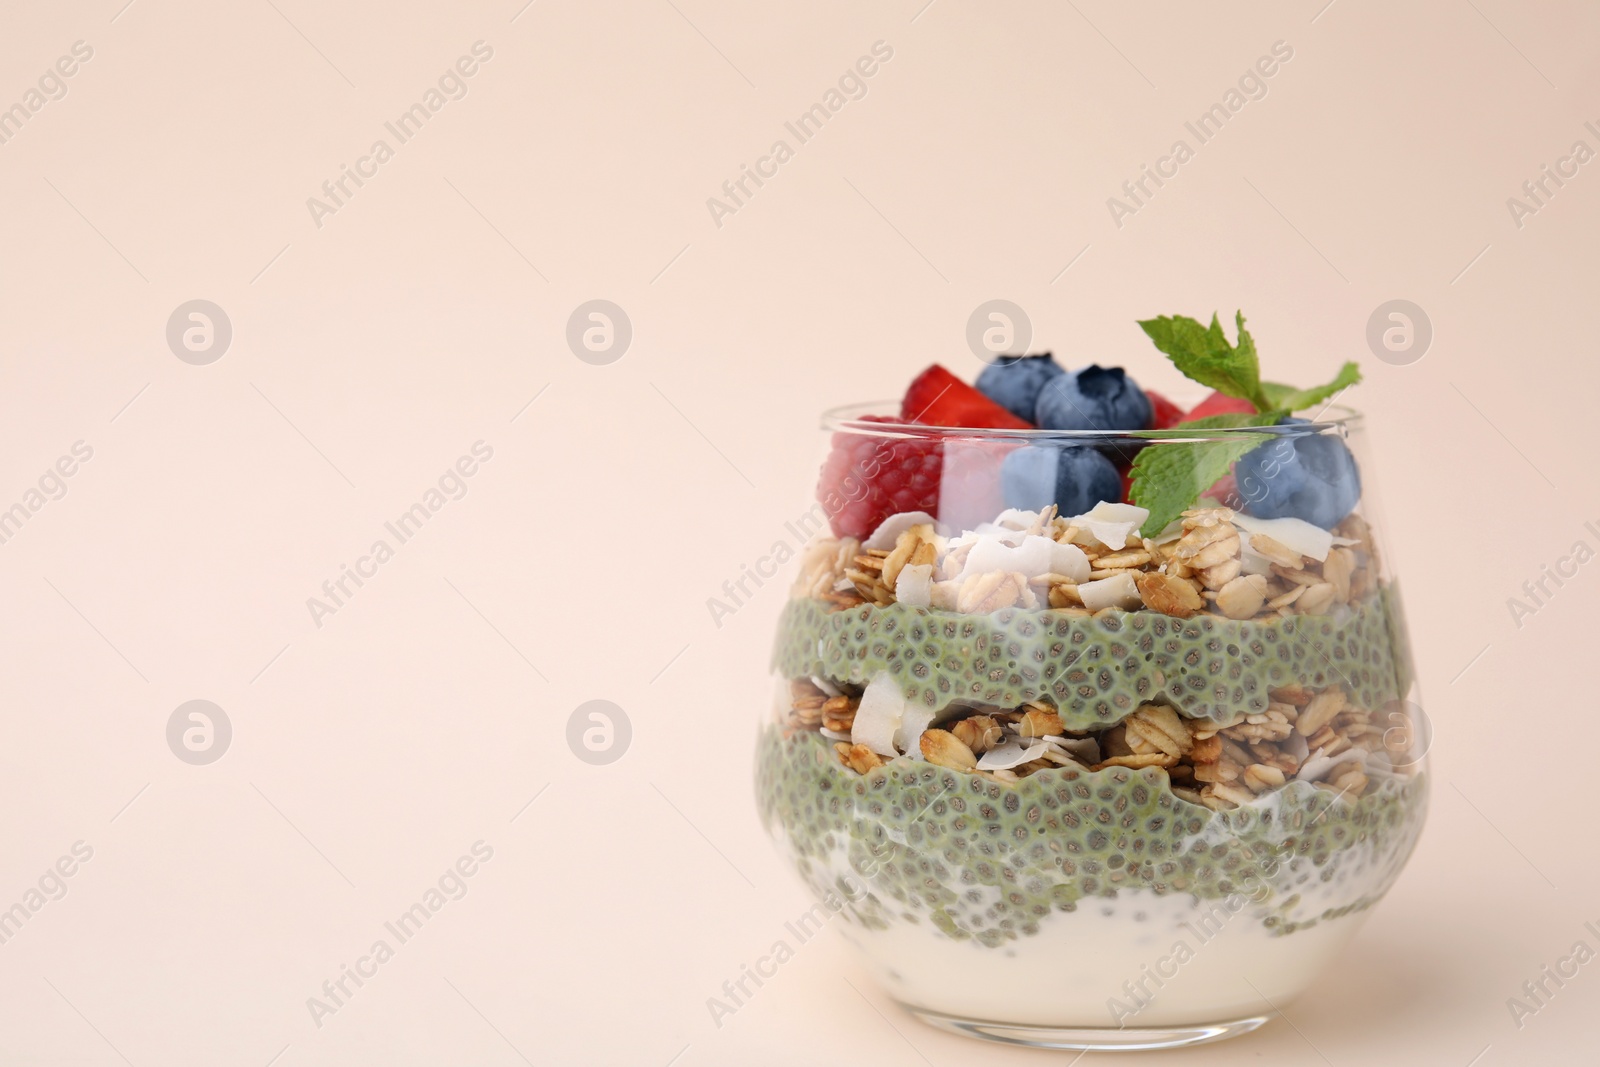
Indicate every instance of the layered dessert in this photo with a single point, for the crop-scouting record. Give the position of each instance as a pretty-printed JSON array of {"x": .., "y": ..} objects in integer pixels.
[{"x": 1095, "y": 715}]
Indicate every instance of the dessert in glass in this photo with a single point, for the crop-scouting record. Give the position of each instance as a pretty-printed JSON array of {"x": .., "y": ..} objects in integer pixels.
[{"x": 1095, "y": 719}]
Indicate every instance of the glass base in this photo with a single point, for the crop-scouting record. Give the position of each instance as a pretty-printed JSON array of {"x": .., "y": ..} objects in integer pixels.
[{"x": 1088, "y": 1038}]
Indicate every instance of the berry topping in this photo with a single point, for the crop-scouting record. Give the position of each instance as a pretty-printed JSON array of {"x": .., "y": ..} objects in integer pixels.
[
  {"x": 1164, "y": 414},
  {"x": 939, "y": 398},
  {"x": 1073, "y": 478},
  {"x": 1014, "y": 382},
  {"x": 1220, "y": 404},
  {"x": 1094, "y": 398},
  {"x": 866, "y": 479},
  {"x": 1310, "y": 476}
]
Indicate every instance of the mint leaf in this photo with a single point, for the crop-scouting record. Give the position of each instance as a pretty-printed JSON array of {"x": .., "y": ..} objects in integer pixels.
[
  {"x": 1167, "y": 479},
  {"x": 1288, "y": 398},
  {"x": 1246, "y": 351},
  {"x": 1204, "y": 355}
]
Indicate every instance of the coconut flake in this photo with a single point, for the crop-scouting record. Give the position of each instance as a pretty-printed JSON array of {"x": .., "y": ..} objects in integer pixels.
[
  {"x": 890, "y": 529},
  {"x": 1296, "y": 746},
  {"x": 1316, "y": 767},
  {"x": 909, "y": 736},
  {"x": 1035, "y": 552},
  {"x": 1017, "y": 519},
  {"x": 1069, "y": 561},
  {"x": 1033, "y": 556},
  {"x": 879, "y": 715},
  {"x": 1112, "y": 524},
  {"x": 1083, "y": 749},
  {"x": 1010, "y": 551},
  {"x": 1117, "y": 591},
  {"x": 992, "y": 532},
  {"x": 1251, "y": 561},
  {"x": 1010, "y": 754},
  {"x": 1377, "y": 762},
  {"x": 1173, "y": 531},
  {"x": 1297, "y": 535},
  {"x": 913, "y": 586},
  {"x": 833, "y": 735},
  {"x": 826, "y": 686}
]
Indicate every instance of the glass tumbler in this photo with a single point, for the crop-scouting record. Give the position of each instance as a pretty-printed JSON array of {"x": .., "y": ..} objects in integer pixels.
[{"x": 1073, "y": 781}]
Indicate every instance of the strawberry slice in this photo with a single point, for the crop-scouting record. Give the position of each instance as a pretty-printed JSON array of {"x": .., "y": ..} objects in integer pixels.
[
  {"x": 1164, "y": 413},
  {"x": 1220, "y": 404},
  {"x": 939, "y": 398}
]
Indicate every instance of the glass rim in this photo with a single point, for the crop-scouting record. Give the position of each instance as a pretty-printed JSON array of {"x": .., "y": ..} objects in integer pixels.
[{"x": 848, "y": 418}]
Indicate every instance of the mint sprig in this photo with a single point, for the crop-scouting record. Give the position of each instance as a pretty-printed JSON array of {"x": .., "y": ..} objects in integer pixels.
[
  {"x": 1169, "y": 479},
  {"x": 1291, "y": 399},
  {"x": 1205, "y": 355}
]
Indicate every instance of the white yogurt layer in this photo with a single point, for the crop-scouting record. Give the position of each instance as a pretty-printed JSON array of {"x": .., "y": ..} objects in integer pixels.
[{"x": 1140, "y": 960}]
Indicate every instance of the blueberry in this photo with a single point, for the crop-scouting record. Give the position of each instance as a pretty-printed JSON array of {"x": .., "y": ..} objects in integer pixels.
[
  {"x": 1073, "y": 478},
  {"x": 1014, "y": 382},
  {"x": 1310, "y": 476},
  {"x": 1084, "y": 478},
  {"x": 1094, "y": 398},
  {"x": 1028, "y": 477}
]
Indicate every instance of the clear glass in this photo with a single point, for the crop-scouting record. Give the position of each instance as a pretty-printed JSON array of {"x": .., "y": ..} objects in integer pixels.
[{"x": 1071, "y": 786}]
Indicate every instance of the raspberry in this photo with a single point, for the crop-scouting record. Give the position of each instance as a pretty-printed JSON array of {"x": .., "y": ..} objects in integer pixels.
[{"x": 866, "y": 479}]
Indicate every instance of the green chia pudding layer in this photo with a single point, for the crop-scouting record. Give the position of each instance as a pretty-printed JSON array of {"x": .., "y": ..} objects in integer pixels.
[
  {"x": 1095, "y": 669},
  {"x": 989, "y": 862}
]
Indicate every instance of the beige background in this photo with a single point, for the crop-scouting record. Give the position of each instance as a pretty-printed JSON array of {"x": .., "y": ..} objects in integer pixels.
[{"x": 369, "y": 353}]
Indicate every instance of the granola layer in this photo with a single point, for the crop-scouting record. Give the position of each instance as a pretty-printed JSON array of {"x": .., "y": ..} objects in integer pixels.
[
  {"x": 1214, "y": 561},
  {"x": 1307, "y": 735}
]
